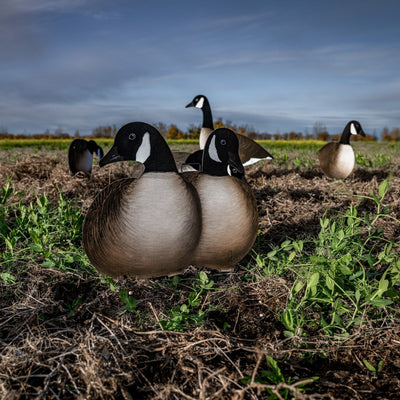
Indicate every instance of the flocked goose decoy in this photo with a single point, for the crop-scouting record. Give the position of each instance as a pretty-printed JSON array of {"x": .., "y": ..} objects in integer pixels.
[
  {"x": 228, "y": 205},
  {"x": 337, "y": 159},
  {"x": 145, "y": 227},
  {"x": 80, "y": 155},
  {"x": 250, "y": 151}
]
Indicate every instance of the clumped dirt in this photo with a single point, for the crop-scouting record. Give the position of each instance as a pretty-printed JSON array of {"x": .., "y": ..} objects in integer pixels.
[{"x": 95, "y": 350}]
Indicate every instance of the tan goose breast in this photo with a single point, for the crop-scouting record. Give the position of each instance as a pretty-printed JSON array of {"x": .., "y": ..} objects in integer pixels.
[
  {"x": 147, "y": 227},
  {"x": 336, "y": 160},
  {"x": 230, "y": 221}
]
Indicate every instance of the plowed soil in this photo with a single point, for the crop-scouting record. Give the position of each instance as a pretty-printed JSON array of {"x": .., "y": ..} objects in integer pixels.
[{"x": 100, "y": 352}]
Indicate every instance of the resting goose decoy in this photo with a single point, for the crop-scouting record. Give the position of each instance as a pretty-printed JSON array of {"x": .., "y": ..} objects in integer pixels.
[
  {"x": 337, "y": 159},
  {"x": 228, "y": 206},
  {"x": 250, "y": 151},
  {"x": 80, "y": 155},
  {"x": 145, "y": 227}
]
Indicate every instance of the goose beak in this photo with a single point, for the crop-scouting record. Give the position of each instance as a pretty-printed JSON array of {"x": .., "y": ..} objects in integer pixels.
[
  {"x": 191, "y": 104},
  {"x": 362, "y": 133},
  {"x": 110, "y": 157}
]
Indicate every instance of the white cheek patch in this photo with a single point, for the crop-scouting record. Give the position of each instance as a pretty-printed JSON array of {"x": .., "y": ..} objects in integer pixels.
[
  {"x": 229, "y": 170},
  {"x": 200, "y": 103},
  {"x": 212, "y": 151},
  {"x": 353, "y": 130},
  {"x": 144, "y": 150}
]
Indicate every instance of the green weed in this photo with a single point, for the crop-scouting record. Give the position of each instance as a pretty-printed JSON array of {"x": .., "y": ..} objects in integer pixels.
[
  {"x": 130, "y": 302},
  {"x": 43, "y": 234},
  {"x": 73, "y": 305},
  {"x": 7, "y": 278},
  {"x": 373, "y": 370},
  {"x": 348, "y": 274},
  {"x": 181, "y": 317},
  {"x": 379, "y": 160},
  {"x": 276, "y": 385}
]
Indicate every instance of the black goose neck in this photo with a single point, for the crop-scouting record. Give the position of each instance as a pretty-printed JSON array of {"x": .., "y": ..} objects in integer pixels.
[
  {"x": 345, "y": 137},
  {"x": 160, "y": 160},
  {"x": 211, "y": 167},
  {"x": 207, "y": 115}
]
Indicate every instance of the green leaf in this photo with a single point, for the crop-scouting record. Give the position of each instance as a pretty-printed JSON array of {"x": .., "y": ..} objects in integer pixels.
[
  {"x": 383, "y": 188},
  {"x": 130, "y": 301},
  {"x": 203, "y": 277},
  {"x": 330, "y": 283},
  {"x": 277, "y": 376},
  {"x": 369, "y": 366},
  {"x": 7, "y": 278},
  {"x": 48, "y": 264},
  {"x": 292, "y": 255},
  {"x": 313, "y": 281},
  {"x": 381, "y": 302},
  {"x": 383, "y": 285},
  {"x": 298, "y": 287}
]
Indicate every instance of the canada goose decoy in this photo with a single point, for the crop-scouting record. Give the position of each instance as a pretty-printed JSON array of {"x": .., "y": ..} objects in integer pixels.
[
  {"x": 250, "y": 151},
  {"x": 80, "y": 155},
  {"x": 228, "y": 206},
  {"x": 145, "y": 227},
  {"x": 337, "y": 159}
]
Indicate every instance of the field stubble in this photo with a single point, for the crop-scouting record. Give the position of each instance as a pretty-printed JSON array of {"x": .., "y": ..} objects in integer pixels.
[{"x": 68, "y": 333}]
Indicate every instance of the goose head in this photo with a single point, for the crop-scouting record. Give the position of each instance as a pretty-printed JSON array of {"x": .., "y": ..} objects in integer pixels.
[
  {"x": 352, "y": 128},
  {"x": 199, "y": 101},
  {"x": 141, "y": 142},
  {"x": 94, "y": 148},
  {"x": 221, "y": 154}
]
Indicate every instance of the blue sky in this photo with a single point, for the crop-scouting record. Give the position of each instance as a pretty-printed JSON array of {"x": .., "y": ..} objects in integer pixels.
[{"x": 273, "y": 65}]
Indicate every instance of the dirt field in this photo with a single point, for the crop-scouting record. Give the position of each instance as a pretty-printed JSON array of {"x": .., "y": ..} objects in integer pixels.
[{"x": 96, "y": 351}]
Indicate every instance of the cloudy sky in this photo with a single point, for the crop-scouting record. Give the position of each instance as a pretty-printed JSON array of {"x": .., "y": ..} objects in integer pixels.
[{"x": 273, "y": 65}]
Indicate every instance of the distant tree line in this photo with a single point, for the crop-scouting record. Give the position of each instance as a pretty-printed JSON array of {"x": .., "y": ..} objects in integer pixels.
[{"x": 172, "y": 131}]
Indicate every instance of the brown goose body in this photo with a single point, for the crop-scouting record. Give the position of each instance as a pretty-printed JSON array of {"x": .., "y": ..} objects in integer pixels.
[
  {"x": 229, "y": 220},
  {"x": 336, "y": 160},
  {"x": 144, "y": 227},
  {"x": 250, "y": 151}
]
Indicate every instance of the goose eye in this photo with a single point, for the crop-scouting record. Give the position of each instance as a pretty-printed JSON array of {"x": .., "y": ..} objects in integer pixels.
[
  {"x": 234, "y": 170},
  {"x": 132, "y": 136},
  {"x": 223, "y": 142}
]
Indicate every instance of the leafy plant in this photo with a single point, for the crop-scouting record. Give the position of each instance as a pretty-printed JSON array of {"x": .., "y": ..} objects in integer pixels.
[
  {"x": 110, "y": 282},
  {"x": 130, "y": 301},
  {"x": 72, "y": 306},
  {"x": 349, "y": 273},
  {"x": 379, "y": 160},
  {"x": 283, "y": 388},
  {"x": 42, "y": 233},
  {"x": 372, "y": 369},
  {"x": 7, "y": 278},
  {"x": 180, "y": 317}
]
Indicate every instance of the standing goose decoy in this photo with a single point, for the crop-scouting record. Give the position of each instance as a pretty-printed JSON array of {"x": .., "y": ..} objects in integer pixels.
[
  {"x": 228, "y": 206},
  {"x": 250, "y": 151},
  {"x": 337, "y": 159},
  {"x": 145, "y": 227},
  {"x": 80, "y": 155}
]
